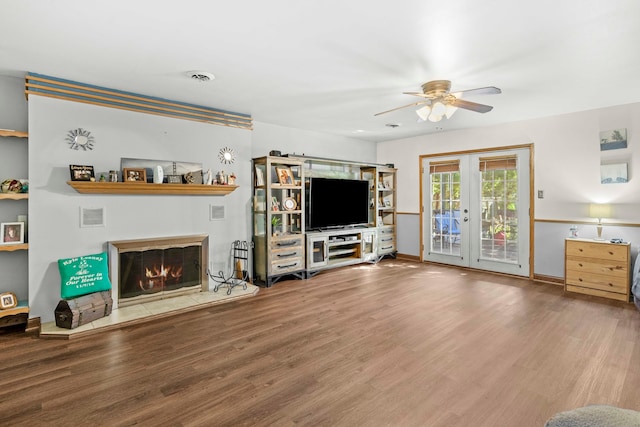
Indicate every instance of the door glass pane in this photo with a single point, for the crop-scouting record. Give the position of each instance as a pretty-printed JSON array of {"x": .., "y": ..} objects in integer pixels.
[
  {"x": 445, "y": 213},
  {"x": 499, "y": 231}
]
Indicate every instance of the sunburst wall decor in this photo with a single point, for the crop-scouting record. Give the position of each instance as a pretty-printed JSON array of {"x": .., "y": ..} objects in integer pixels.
[
  {"x": 226, "y": 155},
  {"x": 80, "y": 138}
]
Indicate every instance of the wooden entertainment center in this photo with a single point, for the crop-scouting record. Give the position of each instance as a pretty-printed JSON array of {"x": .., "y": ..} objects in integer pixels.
[{"x": 282, "y": 244}]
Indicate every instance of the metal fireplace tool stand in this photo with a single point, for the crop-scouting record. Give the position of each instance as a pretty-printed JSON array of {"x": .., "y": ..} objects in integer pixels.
[{"x": 239, "y": 269}]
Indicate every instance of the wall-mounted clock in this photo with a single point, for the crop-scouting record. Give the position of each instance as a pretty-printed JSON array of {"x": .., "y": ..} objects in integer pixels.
[
  {"x": 226, "y": 155},
  {"x": 80, "y": 138}
]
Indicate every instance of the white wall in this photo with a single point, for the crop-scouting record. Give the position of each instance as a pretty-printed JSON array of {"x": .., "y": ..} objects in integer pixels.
[
  {"x": 54, "y": 206},
  {"x": 267, "y": 137},
  {"x": 567, "y": 160}
]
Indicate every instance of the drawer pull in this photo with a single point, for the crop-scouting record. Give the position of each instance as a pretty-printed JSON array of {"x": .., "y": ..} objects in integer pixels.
[
  {"x": 580, "y": 279},
  {"x": 610, "y": 253},
  {"x": 287, "y": 266},
  {"x": 579, "y": 264},
  {"x": 387, "y": 240},
  {"x": 388, "y": 247},
  {"x": 291, "y": 243},
  {"x": 287, "y": 255},
  {"x": 580, "y": 249}
]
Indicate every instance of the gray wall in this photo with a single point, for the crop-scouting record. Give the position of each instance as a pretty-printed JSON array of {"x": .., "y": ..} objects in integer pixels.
[{"x": 13, "y": 164}]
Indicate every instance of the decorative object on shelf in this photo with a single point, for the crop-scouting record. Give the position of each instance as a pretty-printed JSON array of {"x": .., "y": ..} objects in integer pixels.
[
  {"x": 220, "y": 178},
  {"x": 134, "y": 175},
  {"x": 599, "y": 211},
  {"x": 276, "y": 225},
  {"x": 173, "y": 171},
  {"x": 8, "y": 300},
  {"x": 574, "y": 231},
  {"x": 102, "y": 178},
  {"x": 12, "y": 233},
  {"x": 285, "y": 176},
  {"x": 613, "y": 174},
  {"x": 80, "y": 138},
  {"x": 232, "y": 179},
  {"x": 209, "y": 180},
  {"x": 226, "y": 155},
  {"x": 174, "y": 178},
  {"x": 81, "y": 172},
  {"x": 193, "y": 177},
  {"x": 613, "y": 139},
  {"x": 158, "y": 175},
  {"x": 11, "y": 186},
  {"x": 275, "y": 153},
  {"x": 113, "y": 176},
  {"x": 275, "y": 206},
  {"x": 289, "y": 204},
  {"x": 24, "y": 219},
  {"x": 259, "y": 176}
]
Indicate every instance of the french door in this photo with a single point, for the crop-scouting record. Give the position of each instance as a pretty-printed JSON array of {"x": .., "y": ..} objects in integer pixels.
[{"x": 476, "y": 210}]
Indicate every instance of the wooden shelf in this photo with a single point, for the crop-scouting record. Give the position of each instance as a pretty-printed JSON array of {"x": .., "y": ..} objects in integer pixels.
[
  {"x": 16, "y": 133},
  {"x": 88, "y": 187},
  {"x": 16, "y": 247},
  {"x": 14, "y": 196}
]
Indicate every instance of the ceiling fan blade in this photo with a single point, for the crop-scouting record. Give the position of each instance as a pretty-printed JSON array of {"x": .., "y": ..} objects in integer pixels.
[
  {"x": 426, "y": 101},
  {"x": 489, "y": 90},
  {"x": 420, "y": 94},
  {"x": 473, "y": 106}
]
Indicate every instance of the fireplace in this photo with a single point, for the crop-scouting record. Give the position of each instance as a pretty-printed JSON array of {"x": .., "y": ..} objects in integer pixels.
[{"x": 151, "y": 269}]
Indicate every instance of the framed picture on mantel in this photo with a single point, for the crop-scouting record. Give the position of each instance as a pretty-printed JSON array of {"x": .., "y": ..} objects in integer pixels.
[{"x": 81, "y": 172}]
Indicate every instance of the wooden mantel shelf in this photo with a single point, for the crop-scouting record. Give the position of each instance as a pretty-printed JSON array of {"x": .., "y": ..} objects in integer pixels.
[{"x": 88, "y": 187}]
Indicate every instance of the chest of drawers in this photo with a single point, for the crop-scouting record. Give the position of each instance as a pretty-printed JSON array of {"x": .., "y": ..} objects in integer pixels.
[{"x": 598, "y": 268}]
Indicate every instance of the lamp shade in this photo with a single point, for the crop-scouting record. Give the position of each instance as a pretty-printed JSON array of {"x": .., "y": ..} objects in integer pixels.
[
  {"x": 597, "y": 210},
  {"x": 423, "y": 112}
]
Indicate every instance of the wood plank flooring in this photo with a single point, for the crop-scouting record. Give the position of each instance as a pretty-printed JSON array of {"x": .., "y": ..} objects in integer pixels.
[{"x": 394, "y": 344}]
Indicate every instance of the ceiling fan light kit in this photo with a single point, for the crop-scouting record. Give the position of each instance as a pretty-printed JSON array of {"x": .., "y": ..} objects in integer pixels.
[{"x": 439, "y": 102}]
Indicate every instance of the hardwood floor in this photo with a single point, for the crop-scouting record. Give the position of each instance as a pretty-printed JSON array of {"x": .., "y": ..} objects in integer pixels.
[{"x": 394, "y": 344}]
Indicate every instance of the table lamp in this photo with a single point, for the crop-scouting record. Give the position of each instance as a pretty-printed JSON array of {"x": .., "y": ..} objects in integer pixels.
[{"x": 597, "y": 210}]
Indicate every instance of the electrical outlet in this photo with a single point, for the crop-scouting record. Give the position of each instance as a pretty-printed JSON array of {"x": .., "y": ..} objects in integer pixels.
[{"x": 540, "y": 194}]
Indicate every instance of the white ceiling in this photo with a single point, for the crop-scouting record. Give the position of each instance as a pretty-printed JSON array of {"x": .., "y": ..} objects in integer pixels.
[{"x": 330, "y": 65}]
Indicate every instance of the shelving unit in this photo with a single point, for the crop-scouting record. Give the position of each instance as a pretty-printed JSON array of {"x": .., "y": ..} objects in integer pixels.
[
  {"x": 88, "y": 187},
  {"x": 10, "y": 203},
  {"x": 278, "y": 219},
  {"x": 386, "y": 211}
]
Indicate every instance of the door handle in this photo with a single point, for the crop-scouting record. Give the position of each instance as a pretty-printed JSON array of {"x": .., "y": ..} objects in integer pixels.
[{"x": 466, "y": 219}]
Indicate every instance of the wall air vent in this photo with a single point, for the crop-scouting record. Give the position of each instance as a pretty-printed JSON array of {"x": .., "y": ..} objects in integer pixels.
[{"x": 92, "y": 217}]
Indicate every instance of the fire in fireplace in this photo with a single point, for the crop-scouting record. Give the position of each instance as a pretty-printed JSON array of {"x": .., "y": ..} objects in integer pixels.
[{"x": 158, "y": 268}]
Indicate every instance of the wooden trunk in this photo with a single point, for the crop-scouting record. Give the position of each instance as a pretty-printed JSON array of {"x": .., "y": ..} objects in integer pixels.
[{"x": 75, "y": 312}]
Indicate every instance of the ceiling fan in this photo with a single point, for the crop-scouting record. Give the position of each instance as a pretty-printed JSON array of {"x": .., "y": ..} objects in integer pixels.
[{"x": 439, "y": 101}]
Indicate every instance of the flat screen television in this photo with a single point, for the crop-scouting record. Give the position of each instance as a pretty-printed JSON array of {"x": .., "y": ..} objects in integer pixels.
[{"x": 333, "y": 203}]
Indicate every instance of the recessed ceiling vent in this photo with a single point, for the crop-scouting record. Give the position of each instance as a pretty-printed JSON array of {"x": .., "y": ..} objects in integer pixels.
[{"x": 201, "y": 76}]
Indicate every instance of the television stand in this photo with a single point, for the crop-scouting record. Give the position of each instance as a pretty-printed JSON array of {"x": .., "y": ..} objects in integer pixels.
[{"x": 337, "y": 248}]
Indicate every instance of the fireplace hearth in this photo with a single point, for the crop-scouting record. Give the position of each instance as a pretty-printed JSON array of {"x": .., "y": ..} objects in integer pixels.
[{"x": 150, "y": 269}]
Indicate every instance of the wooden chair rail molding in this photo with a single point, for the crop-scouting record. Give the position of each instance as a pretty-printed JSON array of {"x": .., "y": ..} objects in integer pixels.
[{"x": 88, "y": 187}]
